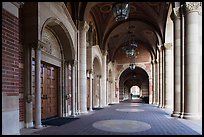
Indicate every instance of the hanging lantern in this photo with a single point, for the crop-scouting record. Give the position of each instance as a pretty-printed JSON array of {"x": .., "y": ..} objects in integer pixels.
[
  {"x": 132, "y": 66},
  {"x": 121, "y": 10}
]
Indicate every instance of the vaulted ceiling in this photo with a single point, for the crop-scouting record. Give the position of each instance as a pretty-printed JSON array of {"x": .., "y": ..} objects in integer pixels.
[{"x": 147, "y": 22}]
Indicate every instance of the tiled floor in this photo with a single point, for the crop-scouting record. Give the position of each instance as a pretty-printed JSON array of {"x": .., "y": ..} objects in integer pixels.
[{"x": 159, "y": 120}]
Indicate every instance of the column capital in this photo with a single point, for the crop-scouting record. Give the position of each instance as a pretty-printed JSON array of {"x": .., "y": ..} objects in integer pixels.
[
  {"x": 152, "y": 61},
  {"x": 175, "y": 14},
  {"x": 90, "y": 71},
  {"x": 99, "y": 76},
  {"x": 189, "y": 7},
  {"x": 105, "y": 52},
  {"x": 168, "y": 45},
  {"x": 37, "y": 45},
  {"x": 83, "y": 25},
  {"x": 18, "y": 4},
  {"x": 156, "y": 61},
  {"x": 66, "y": 62},
  {"x": 40, "y": 45},
  {"x": 161, "y": 47},
  {"x": 72, "y": 62}
]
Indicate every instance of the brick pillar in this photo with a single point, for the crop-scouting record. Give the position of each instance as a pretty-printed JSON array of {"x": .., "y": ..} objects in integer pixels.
[{"x": 11, "y": 70}]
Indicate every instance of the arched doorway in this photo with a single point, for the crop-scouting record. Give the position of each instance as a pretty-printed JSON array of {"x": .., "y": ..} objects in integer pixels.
[
  {"x": 56, "y": 70},
  {"x": 130, "y": 78},
  {"x": 96, "y": 83}
]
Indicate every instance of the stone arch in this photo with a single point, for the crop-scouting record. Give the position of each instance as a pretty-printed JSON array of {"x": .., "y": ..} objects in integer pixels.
[
  {"x": 126, "y": 66},
  {"x": 63, "y": 35},
  {"x": 129, "y": 78},
  {"x": 96, "y": 53}
]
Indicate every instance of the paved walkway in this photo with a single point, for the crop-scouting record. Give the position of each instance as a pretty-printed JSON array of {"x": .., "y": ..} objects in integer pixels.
[{"x": 126, "y": 118}]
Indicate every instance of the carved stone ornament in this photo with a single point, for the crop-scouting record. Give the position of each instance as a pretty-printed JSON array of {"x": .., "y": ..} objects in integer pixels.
[
  {"x": 192, "y": 7},
  {"x": 168, "y": 45},
  {"x": 51, "y": 45},
  {"x": 84, "y": 26}
]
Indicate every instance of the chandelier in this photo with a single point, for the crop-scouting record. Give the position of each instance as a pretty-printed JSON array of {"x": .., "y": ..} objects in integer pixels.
[
  {"x": 130, "y": 49},
  {"x": 121, "y": 10},
  {"x": 132, "y": 64},
  {"x": 130, "y": 46}
]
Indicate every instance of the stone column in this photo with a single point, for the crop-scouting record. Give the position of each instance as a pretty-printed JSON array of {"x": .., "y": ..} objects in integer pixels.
[
  {"x": 91, "y": 90},
  {"x": 153, "y": 82},
  {"x": 103, "y": 82},
  {"x": 168, "y": 75},
  {"x": 163, "y": 80},
  {"x": 61, "y": 93},
  {"x": 38, "y": 123},
  {"x": 100, "y": 90},
  {"x": 150, "y": 86},
  {"x": 160, "y": 77},
  {"x": 83, "y": 28},
  {"x": 107, "y": 91},
  {"x": 156, "y": 87},
  {"x": 66, "y": 95},
  {"x": 73, "y": 106},
  {"x": 111, "y": 91},
  {"x": 192, "y": 13},
  {"x": 176, "y": 17}
]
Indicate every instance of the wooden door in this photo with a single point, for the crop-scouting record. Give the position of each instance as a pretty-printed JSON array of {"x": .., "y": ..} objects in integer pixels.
[{"x": 49, "y": 90}]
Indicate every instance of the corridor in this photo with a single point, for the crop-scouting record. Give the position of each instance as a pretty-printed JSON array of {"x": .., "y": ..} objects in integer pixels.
[{"x": 130, "y": 117}]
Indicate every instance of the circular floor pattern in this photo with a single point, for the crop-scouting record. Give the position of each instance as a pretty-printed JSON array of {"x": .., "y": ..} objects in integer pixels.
[
  {"x": 130, "y": 110},
  {"x": 122, "y": 126}
]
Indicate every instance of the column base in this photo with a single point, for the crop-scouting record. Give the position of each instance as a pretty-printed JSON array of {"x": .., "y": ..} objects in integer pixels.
[
  {"x": 159, "y": 106},
  {"x": 38, "y": 126},
  {"x": 192, "y": 116},
  {"x": 176, "y": 114},
  {"x": 28, "y": 125},
  {"x": 90, "y": 109},
  {"x": 73, "y": 115}
]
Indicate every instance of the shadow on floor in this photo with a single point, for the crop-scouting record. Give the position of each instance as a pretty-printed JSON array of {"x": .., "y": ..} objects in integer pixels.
[{"x": 58, "y": 121}]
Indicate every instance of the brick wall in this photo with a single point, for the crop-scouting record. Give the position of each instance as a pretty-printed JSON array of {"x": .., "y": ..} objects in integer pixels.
[
  {"x": 12, "y": 83},
  {"x": 21, "y": 62}
]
